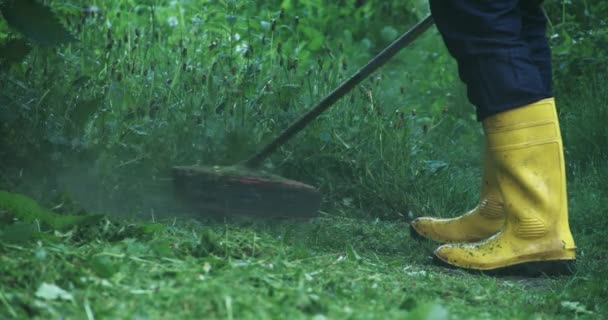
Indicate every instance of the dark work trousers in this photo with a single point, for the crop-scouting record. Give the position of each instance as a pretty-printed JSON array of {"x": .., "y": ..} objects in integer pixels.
[{"x": 501, "y": 49}]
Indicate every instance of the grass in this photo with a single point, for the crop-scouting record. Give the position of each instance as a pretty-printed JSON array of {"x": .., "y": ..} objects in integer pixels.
[
  {"x": 139, "y": 94},
  {"x": 108, "y": 117},
  {"x": 330, "y": 268}
]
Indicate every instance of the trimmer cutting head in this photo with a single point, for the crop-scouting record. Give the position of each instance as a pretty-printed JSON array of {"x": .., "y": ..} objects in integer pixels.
[{"x": 237, "y": 191}]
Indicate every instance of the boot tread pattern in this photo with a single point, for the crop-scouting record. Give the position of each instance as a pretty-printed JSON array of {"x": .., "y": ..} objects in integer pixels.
[
  {"x": 491, "y": 209},
  {"x": 531, "y": 228}
]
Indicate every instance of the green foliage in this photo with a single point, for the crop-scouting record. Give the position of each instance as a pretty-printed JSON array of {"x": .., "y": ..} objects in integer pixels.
[
  {"x": 98, "y": 122},
  {"x": 584, "y": 115},
  {"x": 153, "y": 84},
  {"x": 579, "y": 39},
  {"x": 35, "y": 21},
  {"x": 149, "y": 87},
  {"x": 17, "y": 207},
  {"x": 14, "y": 51}
]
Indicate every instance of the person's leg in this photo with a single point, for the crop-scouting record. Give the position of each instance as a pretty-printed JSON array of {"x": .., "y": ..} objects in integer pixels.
[
  {"x": 494, "y": 60},
  {"x": 482, "y": 36},
  {"x": 495, "y": 45},
  {"x": 534, "y": 33},
  {"x": 526, "y": 145},
  {"x": 487, "y": 217}
]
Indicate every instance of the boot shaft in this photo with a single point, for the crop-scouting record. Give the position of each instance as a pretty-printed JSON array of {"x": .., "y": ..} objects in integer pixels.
[{"x": 526, "y": 146}]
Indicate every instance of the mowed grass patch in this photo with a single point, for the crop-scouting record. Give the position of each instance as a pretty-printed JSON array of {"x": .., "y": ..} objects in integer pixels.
[{"x": 330, "y": 268}]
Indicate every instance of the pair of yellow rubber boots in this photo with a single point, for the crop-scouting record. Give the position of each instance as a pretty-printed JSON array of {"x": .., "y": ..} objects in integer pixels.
[{"x": 520, "y": 225}]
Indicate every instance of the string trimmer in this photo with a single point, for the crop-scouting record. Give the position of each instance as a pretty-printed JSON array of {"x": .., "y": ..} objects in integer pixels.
[{"x": 243, "y": 189}]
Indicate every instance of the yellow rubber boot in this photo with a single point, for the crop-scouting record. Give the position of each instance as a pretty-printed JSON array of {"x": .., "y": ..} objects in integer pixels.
[
  {"x": 477, "y": 224},
  {"x": 526, "y": 146}
]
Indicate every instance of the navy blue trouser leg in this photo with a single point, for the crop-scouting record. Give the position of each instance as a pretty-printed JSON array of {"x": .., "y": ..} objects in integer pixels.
[
  {"x": 501, "y": 49},
  {"x": 534, "y": 33}
]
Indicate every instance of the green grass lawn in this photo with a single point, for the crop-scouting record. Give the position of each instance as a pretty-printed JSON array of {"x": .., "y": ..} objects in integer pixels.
[
  {"x": 333, "y": 267},
  {"x": 93, "y": 127},
  {"x": 192, "y": 271}
]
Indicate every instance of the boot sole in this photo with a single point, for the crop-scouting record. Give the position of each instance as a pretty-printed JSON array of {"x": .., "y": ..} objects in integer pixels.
[
  {"x": 415, "y": 235},
  {"x": 553, "y": 268}
]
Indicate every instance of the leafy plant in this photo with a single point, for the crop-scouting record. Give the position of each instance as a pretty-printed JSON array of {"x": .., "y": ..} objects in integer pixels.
[
  {"x": 579, "y": 38},
  {"x": 36, "y": 22},
  {"x": 17, "y": 207}
]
